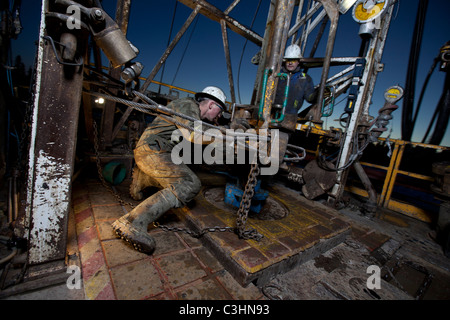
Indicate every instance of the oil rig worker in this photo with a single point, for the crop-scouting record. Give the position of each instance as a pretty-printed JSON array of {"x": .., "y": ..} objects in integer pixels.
[
  {"x": 301, "y": 86},
  {"x": 154, "y": 167}
]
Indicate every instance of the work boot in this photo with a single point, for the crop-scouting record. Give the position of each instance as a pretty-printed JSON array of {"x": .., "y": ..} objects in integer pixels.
[
  {"x": 132, "y": 227},
  {"x": 139, "y": 183},
  {"x": 139, "y": 239}
]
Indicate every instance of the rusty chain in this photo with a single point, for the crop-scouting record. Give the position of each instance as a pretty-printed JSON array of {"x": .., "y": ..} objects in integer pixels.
[
  {"x": 191, "y": 232},
  {"x": 244, "y": 206}
]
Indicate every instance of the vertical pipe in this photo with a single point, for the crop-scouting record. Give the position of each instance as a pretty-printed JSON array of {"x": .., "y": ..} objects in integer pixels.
[
  {"x": 10, "y": 201},
  {"x": 371, "y": 203},
  {"x": 228, "y": 59},
  {"x": 15, "y": 195},
  {"x": 413, "y": 63},
  {"x": 264, "y": 53},
  {"x": 332, "y": 11},
  {"x": 299, "y": 15},
  {"x": 283, "y": 13},
  {"x": 169, "y": 49}
]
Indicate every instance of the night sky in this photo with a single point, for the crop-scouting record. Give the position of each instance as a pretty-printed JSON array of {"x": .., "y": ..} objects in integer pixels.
[{"x": 204, "y": 63}]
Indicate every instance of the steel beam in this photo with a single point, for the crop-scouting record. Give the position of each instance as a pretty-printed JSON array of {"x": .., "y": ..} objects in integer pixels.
[
  {"x": 277, "y": 41},
  {"x": 332, "y": 11},
  {"x": 211, "y": 12},
  {"x": 228, "y": 59},
  {"x": 373, "y": 59},
  {"x": 51, "y": 154}
]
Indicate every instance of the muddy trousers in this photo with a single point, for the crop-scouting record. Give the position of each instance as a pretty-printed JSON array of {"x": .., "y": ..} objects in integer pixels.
[{"x": 178, "y": 184}]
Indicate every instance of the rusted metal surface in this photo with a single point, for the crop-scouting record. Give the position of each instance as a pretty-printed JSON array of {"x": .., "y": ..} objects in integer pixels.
[
  {"x": 282, "y": 19},
  {"x": 52, "y": 150},
  {"x": 317, "y": 180},
  {"x": 261, "y": 58}
]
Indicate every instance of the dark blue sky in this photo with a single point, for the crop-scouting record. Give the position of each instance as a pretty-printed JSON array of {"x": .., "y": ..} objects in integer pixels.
[{"x": 204, "y": 60}]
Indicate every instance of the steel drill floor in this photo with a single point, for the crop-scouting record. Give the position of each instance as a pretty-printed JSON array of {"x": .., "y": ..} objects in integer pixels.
[
  {"x": 412, "y": 264},
  {"x": 308, "y": 230}
]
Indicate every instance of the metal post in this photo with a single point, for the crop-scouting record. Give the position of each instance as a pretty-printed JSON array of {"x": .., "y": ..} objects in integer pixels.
[
  {"x": 51, "y": 154},
  {"x": 282, "y": 18},
  {"x": 263, "y": 54},
  {"x": 332, "y": 11},
  {"x": 226, "y": 47},
  {"x": 373, "y": 58}
]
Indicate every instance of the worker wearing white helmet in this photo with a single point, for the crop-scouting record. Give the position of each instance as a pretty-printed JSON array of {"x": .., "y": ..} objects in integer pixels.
[
  {"x": 301, "y": 86},
  {"x": 211, "y": 93},
  {"x": 154, "y": 167}
]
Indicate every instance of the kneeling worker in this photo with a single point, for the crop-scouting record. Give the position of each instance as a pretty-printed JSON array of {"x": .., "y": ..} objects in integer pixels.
[{"x": 154, "y": 166}]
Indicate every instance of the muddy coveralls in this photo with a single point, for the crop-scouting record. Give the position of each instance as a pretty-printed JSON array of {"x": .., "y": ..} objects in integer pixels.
[{"x": 154, "y": 167}]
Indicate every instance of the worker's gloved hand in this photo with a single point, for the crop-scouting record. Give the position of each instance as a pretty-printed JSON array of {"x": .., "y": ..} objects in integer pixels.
[{"x": 240, "y": 124}]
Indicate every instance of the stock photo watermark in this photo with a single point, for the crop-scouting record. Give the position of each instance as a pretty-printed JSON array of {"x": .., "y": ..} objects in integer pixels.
[
  {"x": 74, "y": 20},
  {"x": 374, "y": 280},
  {"x": 74, "y": 280},
  {"x": 231, "y": 147}
]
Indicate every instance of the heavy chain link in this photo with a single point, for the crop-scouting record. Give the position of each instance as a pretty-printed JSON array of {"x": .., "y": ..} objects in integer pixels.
[
  {"x": 245, "y": 204},
  {"x": 193, "y": 233}
]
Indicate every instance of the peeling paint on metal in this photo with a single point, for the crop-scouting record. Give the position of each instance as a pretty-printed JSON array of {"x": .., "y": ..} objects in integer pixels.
[
  {"x": 50, "y": 206},
  {"x": 40, "y": 61}
]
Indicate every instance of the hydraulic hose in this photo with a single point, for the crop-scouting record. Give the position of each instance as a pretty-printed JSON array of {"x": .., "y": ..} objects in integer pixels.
[
  {"x": 441, "y": 115},
  {"x": 408, "y": 100}
]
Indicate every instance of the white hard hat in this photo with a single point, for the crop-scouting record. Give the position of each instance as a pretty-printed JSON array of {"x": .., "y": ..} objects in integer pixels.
[
  {"x": 213, "y": 93},
  {"x": 292, "y": 52}
]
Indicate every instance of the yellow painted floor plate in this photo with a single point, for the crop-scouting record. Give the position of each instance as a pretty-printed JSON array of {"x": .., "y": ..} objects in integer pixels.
[{"x": 309, "y": 229}]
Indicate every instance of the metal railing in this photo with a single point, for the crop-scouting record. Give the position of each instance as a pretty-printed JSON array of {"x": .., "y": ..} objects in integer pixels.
[{"x": 393, "y": 171}]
